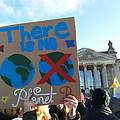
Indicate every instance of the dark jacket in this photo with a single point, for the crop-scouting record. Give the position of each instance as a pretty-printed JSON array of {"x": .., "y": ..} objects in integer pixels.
[
  {"x": 81, "y": 108},
  {"x": 61, "y": 115},
  {"x": 100, "y": 114},
  {"x": 5, "y": 116},
  {"x": 100, "y": 109},
  {"x": 56, "y": 111},
  {"x": 115, "y": 106},
  {"x": 31, "y": 115}
]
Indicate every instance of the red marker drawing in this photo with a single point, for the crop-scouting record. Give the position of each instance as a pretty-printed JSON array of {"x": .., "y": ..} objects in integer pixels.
[{"x": 1, "y": 48}]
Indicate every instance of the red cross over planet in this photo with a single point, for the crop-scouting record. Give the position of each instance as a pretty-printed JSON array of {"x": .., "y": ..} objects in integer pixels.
[{"x": 56, "y": 67}]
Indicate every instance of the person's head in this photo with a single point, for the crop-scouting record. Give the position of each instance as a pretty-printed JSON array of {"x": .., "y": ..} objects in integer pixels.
[
  {"x": 100, "y": 98},
  {"x": 42, "y": 112}
]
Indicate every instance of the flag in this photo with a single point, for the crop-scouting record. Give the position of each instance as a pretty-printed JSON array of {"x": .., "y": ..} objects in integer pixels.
[{"x": 115, "y": 85}]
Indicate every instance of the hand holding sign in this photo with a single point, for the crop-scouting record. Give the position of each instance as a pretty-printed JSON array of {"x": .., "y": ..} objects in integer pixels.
[{"x": 71, "y": 104}]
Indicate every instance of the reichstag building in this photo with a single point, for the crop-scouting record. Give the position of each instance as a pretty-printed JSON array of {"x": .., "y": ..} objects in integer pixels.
[{"x": 98, "y": 69}]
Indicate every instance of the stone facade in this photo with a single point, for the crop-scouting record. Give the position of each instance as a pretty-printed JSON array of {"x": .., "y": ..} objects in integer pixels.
[{"x": 98, "y": 69}]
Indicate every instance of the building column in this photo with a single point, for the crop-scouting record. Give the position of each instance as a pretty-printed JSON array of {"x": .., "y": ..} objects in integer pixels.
[
  {"x": 112, "y": 73},
  {"x": 85, "y": 77},
  {"x": 95, "y": 76},
  {"x": 116, "y": 70},
  {"x": 104, "y": 76}
]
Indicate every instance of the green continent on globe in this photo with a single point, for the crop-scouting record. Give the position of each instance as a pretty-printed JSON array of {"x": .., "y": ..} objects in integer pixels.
[
  {"x": 21, "y": 60},
  {"x": 23, "y": 72},
  {"x": 55, "y": 57},
  {"x": 18, "y": 59},
  {"x": 6, "y": 80},
  {"x": 65, "y": 68}
]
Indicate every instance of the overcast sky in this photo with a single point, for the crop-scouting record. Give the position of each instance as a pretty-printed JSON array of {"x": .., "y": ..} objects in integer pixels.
[{"x": 97, "y": 21}]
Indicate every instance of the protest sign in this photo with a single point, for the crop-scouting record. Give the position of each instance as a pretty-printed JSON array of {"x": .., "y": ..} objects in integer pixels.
[{"x": 38, "y": 58}]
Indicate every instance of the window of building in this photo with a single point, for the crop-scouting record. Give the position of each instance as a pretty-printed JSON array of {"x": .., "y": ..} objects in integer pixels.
[
  {"x": 81, "y": 74},
  {"x": 98, "y": 79},
  {"x": 90, "y": 79}
]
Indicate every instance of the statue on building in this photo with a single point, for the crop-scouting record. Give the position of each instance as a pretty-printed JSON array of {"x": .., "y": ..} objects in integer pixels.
[
  {"x": 111, "y": 50},
  {"x": 110, "y": 46}
]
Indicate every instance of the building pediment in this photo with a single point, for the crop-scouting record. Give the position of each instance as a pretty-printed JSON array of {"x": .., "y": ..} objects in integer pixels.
[{"x": 86, "y": 54}]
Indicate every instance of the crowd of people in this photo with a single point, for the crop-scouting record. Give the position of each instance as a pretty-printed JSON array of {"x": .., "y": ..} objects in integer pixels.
[{"x": 96, "y": 107}]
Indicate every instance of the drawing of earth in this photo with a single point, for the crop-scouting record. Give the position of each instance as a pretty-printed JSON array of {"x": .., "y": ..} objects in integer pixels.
[
  {"x": 56, "y": 79},
  {"x": 17, "y": 71}
]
